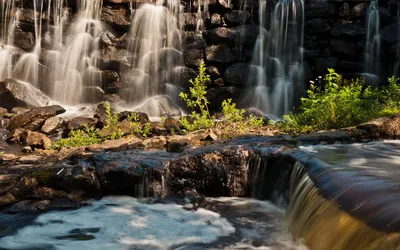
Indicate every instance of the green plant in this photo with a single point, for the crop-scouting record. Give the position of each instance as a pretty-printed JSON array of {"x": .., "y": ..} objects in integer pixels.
[
  {"x": 134, "y": 123},
  {"x": 81, "y": 137},
  {"x": 231, "y": 113},
  {"x": 112, "y": 123},
  {"x": 146, "y": 129},
  {"x": 197, "y": 101},
  {"x": 340, "y": 103}
]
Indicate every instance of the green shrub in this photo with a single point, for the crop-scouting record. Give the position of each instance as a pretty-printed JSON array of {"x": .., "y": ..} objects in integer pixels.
[
  {"x": 81, "y": 137},
  {"x": 112, "y": 123},
  {"x": 390, "y": 97},
  {"x": 231, "y": 113},
  {"x": 339, "y": 104},
  {"x": 197, "y": 101}
]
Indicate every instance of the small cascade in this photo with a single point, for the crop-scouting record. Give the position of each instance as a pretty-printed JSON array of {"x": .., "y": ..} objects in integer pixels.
[
  {"x": 155, "y": 45},
  {"x": 278, "y": 56},
  {"x": 70, "y": 63},
  {"x": 202, "y": 14},
  {"x": 317, "y": 221},
  {"x": 373, "y": 43}
]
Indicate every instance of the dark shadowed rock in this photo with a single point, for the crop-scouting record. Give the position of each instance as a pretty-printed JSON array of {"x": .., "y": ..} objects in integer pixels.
[
  {"x": 316, "y": 26},
  {"x": 193, "y": 57},
  {"x": 343, "y": 47},
  {"x": 240, "y": 74},
  {"x": 192, "y": 40},
  {"x": 175, "y": 146},
  {"x": 348, "y": 28},
  {"x": 81, "y": 122},
  {"x": 18, "y": 94},
  {"x": 15, "y": 135},
  {"x": 222, "y": 35},
  {"x": 217, "y": 95},
  {"x": 8, "y": 182},
  {"x": 319, "y": 9},
  {"x": 236, "y": 17},
  {"x": 216, "y": 20},
  {"x": 24, "y": 40},
  {"x": 171, "y": 124},
  {"x": 323, "y": 63},
  {"x": 112, "y": 58},
  {"x": 219, "y": 54},
  {"x": 391, "y": 33},
  {"x": 359, "y": 10},
  {"x": 35, "y": 117}
]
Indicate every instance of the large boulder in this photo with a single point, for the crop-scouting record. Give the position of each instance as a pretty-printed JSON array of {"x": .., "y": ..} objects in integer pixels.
[
  {"x": 193, "y": 57},
  {"x": 317, "y": 26},
  {"x": 34, "y": 118},
  {"x": 241, "y": 75},
  {"x": 236, "y": 17},
  {"x": 219, "y": 54},
  {"x": 223, "y": 35},
  {"x": 81, "y": 122},
  {"x": 20, "y": 94},
  {"x": 51, "y": 125},
  {"x": 319, "y": 9},
  {"x": 217, "y": 95}
]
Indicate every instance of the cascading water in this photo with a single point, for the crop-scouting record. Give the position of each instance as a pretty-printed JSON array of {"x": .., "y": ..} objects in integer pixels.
[
  {"x": 373, "y": 43},
  {"x": 69, "y": 63},
  {"x": 278, "y": 59},
  {"x": 8, "y": 24},
  {"x": 155, "y": 44}
]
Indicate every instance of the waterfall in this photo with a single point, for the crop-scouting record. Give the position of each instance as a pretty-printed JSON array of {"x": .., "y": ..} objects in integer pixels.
[
  {"x": 278, "y": 56},
  {"x": 69, "y": 63},
  {"x": 373, "y": 43},
  {"x": 319, "y": 222},
  {"x": 8, "y": 23},
  {"x": 155, "y": 44}
]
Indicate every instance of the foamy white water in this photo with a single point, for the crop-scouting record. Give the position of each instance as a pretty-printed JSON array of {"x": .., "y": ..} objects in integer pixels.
[{"x": 126, "y": 223}]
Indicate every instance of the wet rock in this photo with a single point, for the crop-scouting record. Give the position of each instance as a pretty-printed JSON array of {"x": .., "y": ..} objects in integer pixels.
[
  {"x": 216, "y": 20},
  {"x": 344, "y": 11},
  {"x": 219, "y": 82},
  {"x": 359, "y": 10},
  {"x": 219, "y": 54},
  {"x": 374, "y": 127},
  {"x": 29, "y": 206},
  {"x": 217, "y": 95},
  {"x": 193, "y": 57},
  {"x": 316, "y": 26},
  {"x": 26, "y": 188},
  {"x": 36, "y": 140},
  {"x": 7, "y": 199},
  {"x": 190, "y": 21},
  {"x": 213, "y": 72},
  {"x": 175, "y": 146},
  {"x": 222, "y": 35},
  {"x": 390, "y": 33},
  {"x": 319, "y": 9},
  {"x": 35, "y": 117},
  {"x": 348, "y": 28},
  {"x": 112, "y": 58},
  {"x": 236, "y": 17},
  {"x": 107, "y": 39},
  {"x": 16, "y": 94},
  {"x": 116, "y": 17},
  {"x": 47, "y": 193},
  {"x": 27, "y": 149},
  {"x": 391, "y": 128},
  {"x": 323, "y": 63},
  {"x": 93, "y": 94},
  {"x": 180, "y": 76},
  {"x": 343, "y": 47},
  {"x": 8, "y": 182},
  {"x": 171, "y": 124},
  {"x": 24, "y": 40},
  {"x": 212, "y": 174},
  {"x": 81, "y": 122},
  {"x": 240, "y": 74},
  {"x": 51, "y": 125},
  {"x": 192, "y": 40},
  {"x": 158, "y": 129},
  {"x": 325, "y": 136},
  {"x": 15, "y": 135}
]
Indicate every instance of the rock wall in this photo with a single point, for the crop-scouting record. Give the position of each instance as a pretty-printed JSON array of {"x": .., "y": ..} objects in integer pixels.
[{"x": 334, "y": 37}]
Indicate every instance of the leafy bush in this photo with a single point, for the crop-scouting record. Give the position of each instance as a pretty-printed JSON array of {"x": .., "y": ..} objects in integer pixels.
[
  {"x": 197, "y": 100},
  {"x": 81, "y": 137},
  {"x": 339, "y": 104},
  {"x": 390, "y": 97},
  {"x": 236, "y": 119},
  {"x": 112, "y": 123}
]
